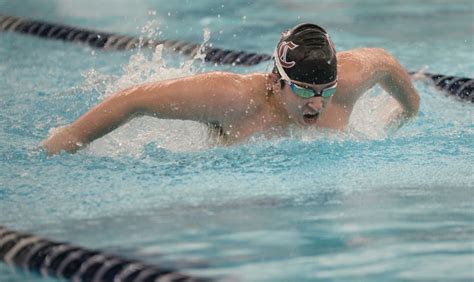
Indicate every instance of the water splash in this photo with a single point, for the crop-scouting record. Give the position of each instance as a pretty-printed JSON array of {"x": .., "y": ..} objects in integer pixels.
[
  {"x": 373, "y": 117},
  {"x": 141, "y": 68}
]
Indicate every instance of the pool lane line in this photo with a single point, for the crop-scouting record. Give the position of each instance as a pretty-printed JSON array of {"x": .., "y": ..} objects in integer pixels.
[
  {"x": 459, "y": 87},
  {"x": 65, "y": 261},
  {"x": 115, "y": 42}
]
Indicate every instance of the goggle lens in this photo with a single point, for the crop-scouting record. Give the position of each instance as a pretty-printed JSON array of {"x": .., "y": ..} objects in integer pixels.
[{"x": 306, "y": 93}]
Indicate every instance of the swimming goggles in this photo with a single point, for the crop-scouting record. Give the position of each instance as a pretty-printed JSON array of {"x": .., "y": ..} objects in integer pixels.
[{"x": 306, "y": 92}]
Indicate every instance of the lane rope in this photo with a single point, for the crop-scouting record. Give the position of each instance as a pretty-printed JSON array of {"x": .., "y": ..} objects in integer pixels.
[
  {"x": 460, "y": 87},
  {"x": 65, "y": 261}
]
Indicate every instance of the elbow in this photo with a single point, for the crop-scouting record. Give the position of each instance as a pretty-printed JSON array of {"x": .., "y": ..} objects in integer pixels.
[{"x": 119, "y": 109}]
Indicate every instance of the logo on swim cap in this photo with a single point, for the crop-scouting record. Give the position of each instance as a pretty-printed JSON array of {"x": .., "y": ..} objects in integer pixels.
[{"x": 283, "y": 51}]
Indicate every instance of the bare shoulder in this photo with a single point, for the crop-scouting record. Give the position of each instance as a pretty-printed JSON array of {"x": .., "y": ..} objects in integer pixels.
[
  {"x": 362, "y": 53},
  {"x": 240, "y": 93},
  {"x": 364, "y": 60},
  {"x": 216, "y": 79},
  {"x": 359, "y": 70},
  {"x": 237, "y": 85},
  {"x": 229, "y": 77},
  {"x": 256, "y": 83},
  {"x": 243, "y": 86},
  {"x": 218, "y": 75},
  {"x": 216, "y": 87}
]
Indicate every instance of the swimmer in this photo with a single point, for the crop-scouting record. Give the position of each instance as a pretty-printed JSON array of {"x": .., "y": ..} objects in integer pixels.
[{"x": 310, "y": 86}]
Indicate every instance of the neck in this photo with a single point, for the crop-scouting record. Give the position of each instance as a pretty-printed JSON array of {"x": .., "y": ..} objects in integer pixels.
[{"x": 275, "y": 105}]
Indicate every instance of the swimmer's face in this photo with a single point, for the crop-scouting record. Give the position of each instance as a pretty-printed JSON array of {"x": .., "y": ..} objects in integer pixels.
[
  {"x": 304, "y": 111},
  {"x": 304, "y": 102}
]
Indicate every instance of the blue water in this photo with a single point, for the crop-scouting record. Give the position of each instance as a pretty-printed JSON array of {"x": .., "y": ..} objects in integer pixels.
[{"x": 368, "y": 205}]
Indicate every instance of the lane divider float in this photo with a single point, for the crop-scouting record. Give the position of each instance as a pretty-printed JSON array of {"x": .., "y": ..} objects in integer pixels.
[
  {"x": 460, "y": 87},
  {"x": 65, "y": 261}
]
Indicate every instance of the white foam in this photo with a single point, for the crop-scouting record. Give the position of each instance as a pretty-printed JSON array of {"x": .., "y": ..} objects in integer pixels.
[
  {"x": 142, "y": 68},
  {"x": 373, "y": 116}
]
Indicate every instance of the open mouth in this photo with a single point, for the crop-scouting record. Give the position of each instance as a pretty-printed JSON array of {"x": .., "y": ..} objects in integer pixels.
[{"x": 311, "y": 117}]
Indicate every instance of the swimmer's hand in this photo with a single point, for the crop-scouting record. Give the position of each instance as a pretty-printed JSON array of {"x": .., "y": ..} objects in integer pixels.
[{"x": 62, "y": 139}]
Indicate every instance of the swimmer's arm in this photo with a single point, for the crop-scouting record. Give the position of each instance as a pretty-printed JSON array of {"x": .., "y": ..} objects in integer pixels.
[
  {"x": 370, "y": 66},
  {"x": 397, "y": 82},
  {"x": 202, "y": 98},
  {"x": 98, "y": 121}
]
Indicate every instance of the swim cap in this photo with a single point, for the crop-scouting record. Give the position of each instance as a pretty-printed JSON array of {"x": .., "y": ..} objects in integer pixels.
[{"x": 305, "y": 53}]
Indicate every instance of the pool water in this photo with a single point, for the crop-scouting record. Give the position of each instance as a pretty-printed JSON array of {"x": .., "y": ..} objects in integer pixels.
[{"x": 370, "y": 204}]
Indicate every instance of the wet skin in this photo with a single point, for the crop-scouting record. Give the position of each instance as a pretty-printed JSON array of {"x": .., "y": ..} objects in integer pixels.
[{"x": 244, "y": 105}]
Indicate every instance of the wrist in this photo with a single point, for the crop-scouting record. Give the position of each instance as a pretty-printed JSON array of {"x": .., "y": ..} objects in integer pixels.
[{"x": 62, "y": 139}]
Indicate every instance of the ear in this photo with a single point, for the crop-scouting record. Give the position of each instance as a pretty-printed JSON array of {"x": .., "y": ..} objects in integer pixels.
[
  {"x": 274, "y": 77},
  {"x": 272, "y": 83}
]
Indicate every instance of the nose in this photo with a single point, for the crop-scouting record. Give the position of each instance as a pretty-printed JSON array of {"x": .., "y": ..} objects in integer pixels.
[{"x": 316, "y": 103}]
